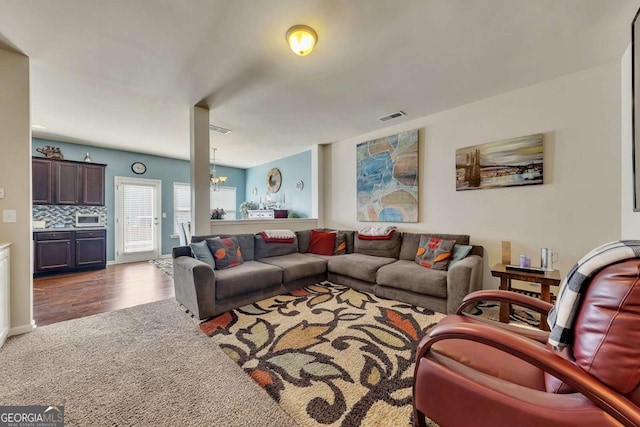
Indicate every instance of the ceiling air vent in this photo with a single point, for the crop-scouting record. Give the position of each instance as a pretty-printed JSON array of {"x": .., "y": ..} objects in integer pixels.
[
  {"x": 392, "y": 116},
  {"x": 218, "y": 129}
]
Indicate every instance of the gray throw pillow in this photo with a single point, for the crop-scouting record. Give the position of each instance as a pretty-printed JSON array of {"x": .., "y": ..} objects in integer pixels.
[
  {"x": 460, "y": 252},
  {"x": 201, "y": 252}
]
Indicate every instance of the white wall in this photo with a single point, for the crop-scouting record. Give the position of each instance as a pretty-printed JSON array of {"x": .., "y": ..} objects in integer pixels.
[
  {"x": 576, "y": 209},
  {"x": 630, "y": 227},
  {"x": 15, "y": 178}
]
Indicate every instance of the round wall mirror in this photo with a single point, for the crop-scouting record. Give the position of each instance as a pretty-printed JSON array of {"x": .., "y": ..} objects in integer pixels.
[{"x": 274, "y": 180}]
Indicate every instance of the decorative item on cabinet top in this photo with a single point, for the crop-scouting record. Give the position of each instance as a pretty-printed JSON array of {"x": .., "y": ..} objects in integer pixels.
[{"x": 51, "y": 152}]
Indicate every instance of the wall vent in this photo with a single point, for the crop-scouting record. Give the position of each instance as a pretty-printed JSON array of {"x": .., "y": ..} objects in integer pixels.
[
  {"x": 219, "y": 129},
  {"x": 392, "y": 116}
]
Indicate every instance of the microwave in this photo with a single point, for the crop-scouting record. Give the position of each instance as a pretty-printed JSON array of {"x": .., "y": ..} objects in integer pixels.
[{"x": 87, "y": 220}]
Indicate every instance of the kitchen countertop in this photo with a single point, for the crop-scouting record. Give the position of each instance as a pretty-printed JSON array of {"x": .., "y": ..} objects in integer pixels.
[{"x": 51, "y": 229}]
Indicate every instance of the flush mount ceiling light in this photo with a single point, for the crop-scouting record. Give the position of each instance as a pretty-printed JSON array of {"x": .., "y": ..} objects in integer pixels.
[{"x": 302, "y": 39}]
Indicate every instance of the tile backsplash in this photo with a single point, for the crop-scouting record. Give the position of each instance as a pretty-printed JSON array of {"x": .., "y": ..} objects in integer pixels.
[{"x": 62, "y": 214}]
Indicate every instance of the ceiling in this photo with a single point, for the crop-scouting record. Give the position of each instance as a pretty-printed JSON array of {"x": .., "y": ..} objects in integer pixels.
[{"x": 124, "y": 73}]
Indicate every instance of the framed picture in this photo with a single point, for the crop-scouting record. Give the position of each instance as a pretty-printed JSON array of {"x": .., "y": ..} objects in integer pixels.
[
  {"x": 387, "y": 180},
  {"x": 508, "y": 163},
  {"x": 635, "y": 84}
]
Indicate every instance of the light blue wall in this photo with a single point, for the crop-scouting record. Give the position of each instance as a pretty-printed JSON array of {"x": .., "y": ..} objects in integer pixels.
[
  {"x": 293, "y": 169},
  {"x": 165, "y": 169}
]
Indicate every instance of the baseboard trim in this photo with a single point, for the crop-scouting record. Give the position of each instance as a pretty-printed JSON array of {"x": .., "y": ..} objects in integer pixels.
[
  {"x": 3, "y": 336},
  {"x": 18, "y": 330}
]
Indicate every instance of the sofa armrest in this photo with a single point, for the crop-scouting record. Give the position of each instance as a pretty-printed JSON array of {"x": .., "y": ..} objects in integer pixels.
[
  {"x": 194, "y": 284},
  {"x": 463, "y": 277}
]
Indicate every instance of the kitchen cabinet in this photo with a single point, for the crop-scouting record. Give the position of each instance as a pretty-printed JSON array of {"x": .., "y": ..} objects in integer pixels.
[
  {"x": 53, "y": 251},
  {"x": 69, "y": 251},
  {"x": 92, "y": 180},
  {"x": 42, "y": 182},
  {"x": 5, "y": 318},
  {"x": 65, "y": 182},
  {"x": 91, "y": 248}
]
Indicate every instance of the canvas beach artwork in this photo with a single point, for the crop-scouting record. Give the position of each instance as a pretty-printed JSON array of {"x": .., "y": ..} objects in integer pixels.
[
  {"x": 512, "y": 162},
  {"x": 387, "y": 178}
]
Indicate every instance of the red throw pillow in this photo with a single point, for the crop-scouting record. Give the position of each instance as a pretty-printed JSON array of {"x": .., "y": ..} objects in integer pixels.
[{"x": 322, "y": 243}]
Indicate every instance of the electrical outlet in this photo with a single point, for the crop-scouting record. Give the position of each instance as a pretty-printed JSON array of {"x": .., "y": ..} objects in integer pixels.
[
  {"x": 164, "y": 214},
  {"x": 1, "y": 193}
]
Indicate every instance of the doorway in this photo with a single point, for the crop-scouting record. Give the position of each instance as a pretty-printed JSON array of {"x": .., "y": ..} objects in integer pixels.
[{"x": 137, "y": 219}]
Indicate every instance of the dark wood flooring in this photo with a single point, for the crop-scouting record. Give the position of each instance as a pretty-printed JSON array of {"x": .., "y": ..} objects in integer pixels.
[{"x": 69, "y": 296}]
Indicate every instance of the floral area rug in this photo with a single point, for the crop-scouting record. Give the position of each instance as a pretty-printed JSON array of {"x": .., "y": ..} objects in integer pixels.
[{"x": 328, "y": 354}]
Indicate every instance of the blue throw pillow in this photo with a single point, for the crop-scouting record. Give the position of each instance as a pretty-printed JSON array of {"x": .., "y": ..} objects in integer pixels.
[
  {"x": 201, "y": 252},
  {"x": 459, "y": 252}
]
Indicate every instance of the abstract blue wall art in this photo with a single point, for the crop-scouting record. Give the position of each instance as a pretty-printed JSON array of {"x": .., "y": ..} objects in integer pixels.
[
  {"x": 508, "y": 163},
  {"x": 388, "y": 178}
]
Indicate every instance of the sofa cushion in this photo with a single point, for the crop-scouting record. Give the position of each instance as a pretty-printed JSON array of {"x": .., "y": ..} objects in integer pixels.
[
  {"x": 411, "y": 277},
  {"x": 248, "y": 277},
  {"x": 434, "y": 253},
  {"x": 322, "y": 242},
  {"x": 297, "y": 266},
  {"x": 382, "y": 248},
  {"x": 200, "y": 251},
  {"x": 459, "y": 253},
  {"x": 226, "y": 252},
  {"x": 303, "y": 237},
  {"x": 357, "y": 266},
  {"x": 266, "y": 249},
  {"x": 410, "y": 242}
]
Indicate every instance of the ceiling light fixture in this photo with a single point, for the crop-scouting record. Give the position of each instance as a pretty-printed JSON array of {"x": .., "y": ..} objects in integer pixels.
[
  {"x": 302, "y": 39},
  {"x": 216, "y": 180}
]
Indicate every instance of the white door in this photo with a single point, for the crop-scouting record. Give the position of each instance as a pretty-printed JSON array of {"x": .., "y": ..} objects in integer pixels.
[{"x": 137, "y": 219}]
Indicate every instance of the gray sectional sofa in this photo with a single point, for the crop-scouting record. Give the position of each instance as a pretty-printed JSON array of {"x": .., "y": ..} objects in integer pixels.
[{"x": 382, "y": 267}]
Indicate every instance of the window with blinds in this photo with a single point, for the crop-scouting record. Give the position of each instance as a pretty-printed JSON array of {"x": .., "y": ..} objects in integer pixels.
[
  {"x": 138, "y": 218},
  {"x": 181, "y": 204},
  {"x": 224, "y": 198}
]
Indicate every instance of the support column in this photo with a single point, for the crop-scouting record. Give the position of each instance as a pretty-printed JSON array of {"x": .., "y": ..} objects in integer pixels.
[{"x": 200, "y": 216}]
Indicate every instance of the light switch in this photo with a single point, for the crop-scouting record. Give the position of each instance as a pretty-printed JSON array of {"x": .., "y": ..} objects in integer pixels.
[
  {"x": 1, "y": 193},
  {"x": 164, "y": 214},
  {"x": 8, "y": 215}
]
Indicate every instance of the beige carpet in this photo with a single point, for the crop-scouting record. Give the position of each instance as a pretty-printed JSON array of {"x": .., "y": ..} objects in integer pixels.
[{"x": 143, "y": 366}]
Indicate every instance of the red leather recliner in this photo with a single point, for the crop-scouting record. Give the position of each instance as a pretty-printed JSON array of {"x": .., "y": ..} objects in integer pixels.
[{"x": 473, "y": 373}]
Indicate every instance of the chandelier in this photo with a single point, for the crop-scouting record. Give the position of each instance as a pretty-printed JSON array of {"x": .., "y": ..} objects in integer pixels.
[{"x": 216, "y": 181}]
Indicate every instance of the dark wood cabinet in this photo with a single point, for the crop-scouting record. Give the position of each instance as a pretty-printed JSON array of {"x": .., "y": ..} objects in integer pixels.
[
  {"x": 92, "y": 177},
  {"x": 67, "y": 183},
  {"x": 64, "y": 182},
  {"x": 42, "y": 181},
  {"x": 91, "y": 248},
  {"x": 53, "y": 251},
  {"x": 69, "y": 251}
]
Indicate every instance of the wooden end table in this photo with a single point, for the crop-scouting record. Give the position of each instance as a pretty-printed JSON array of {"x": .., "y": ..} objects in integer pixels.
[{"x": 544, "y": 279}]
